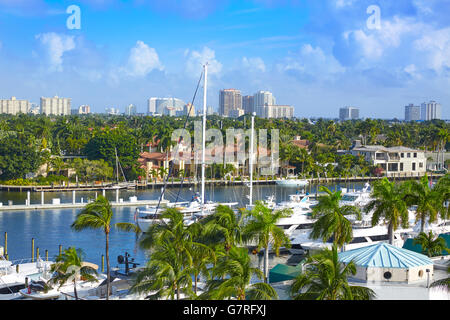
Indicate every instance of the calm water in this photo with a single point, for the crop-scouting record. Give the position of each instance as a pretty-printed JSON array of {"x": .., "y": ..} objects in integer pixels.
[{"x": 50, "y": 228}]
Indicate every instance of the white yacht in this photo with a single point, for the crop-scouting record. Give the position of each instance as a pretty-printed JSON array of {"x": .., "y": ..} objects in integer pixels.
[
  {"x": 292, "y": 181},
  {"x": 14, "y": 274},
  {"x": 362, "y": 236}
]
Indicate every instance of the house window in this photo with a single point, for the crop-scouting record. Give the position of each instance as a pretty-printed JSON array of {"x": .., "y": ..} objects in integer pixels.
[
  {"x": 420, "y": 164},
  {"x": 408, "y": 155},
  {"x": 415, "y": 154},
  {"x": 401, "y": 166},
  {"x": 402, "y": 155},
  {"x": 413, "y": 166}
]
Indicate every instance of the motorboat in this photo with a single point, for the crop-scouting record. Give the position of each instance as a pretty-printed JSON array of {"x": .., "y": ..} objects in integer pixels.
[
  {"x": 192, "y": 211},
  {"x": 362, "y": 236},
  {"x": 292, "y": 182},
  {"x": 15, "y": 274}
]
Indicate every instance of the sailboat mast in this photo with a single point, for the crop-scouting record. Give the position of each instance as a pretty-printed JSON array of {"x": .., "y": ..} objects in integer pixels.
[
  {"x": 251, "y": 158},
  {"x": 205, "y": 67},
  {"x": 117, "y": 165}
]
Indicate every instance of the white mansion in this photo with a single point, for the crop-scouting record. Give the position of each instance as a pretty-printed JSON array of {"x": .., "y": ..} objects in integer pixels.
[{"x": 395, "y": 161}]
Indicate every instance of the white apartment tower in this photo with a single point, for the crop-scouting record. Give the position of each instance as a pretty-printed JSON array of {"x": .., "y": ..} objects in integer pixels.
[
  {"x": 55, "y": 106},
  {"x": 430, "y": 111},
  {"x": 14, "y": 106}
]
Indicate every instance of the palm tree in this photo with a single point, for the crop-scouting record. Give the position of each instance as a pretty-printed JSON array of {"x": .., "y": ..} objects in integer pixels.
[
  {"x": 166, "y": 274},
  {"x": 98, "y": 215},
  {"x": 233, "y": 274},
  {"x": 431, "y": 245},
  {"x": 262, "y": 228},
  {"x": 224, "y": 226},
  {"x": 325, "y": 278},
  {"x": 331, "y": 218},
  {"x": 388, "y": 204},
  {"x": 428, "y": 200},
  {"x": 69, "y": 266}
]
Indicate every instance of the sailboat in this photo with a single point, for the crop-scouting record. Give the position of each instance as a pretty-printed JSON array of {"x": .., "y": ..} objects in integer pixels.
[
  {"x": 121, "y": 185},
  {"x": 197, "y": 208}
]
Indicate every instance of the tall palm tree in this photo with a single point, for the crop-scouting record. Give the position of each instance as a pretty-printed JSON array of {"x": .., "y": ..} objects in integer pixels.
[
  {"x": 428, "y": 200},
  {"x": 261, "y": 227},
  {"x": 98, "y": 215},
  {"x": 431, "y": 245},
  {"x": 69, "y": 266},
  {"x": 224, "y": 226},
  {"x": 325, "y": 278},
  {"x": 388, "y": 204},
  {"x": 233, "y": 274},
  {"x": 331, "y": 218},
  {"x": 166, "y": 274}
]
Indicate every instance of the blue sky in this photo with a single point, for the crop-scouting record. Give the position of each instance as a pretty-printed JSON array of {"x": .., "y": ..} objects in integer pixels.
[{"x": 315, "y": 55}]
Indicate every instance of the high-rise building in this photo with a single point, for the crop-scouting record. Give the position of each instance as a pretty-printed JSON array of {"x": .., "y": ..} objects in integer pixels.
[
  {"x": 84, "y": 109},
  {"x": 348, "y": 113},
  {"x": 229, "y": 99},
  {"x": 261, "y": 101},
  {"x": 165, "y": 106},
  {"x": 412, "y": 112},
  {"x": 275, "y": 111},
  {"x": 189, "y": 110},
  {"x": 14, "y": 106},
  {"x": 130, "y": 110},
  {"x": 55, "y": 106},
  {"x": 431, "y": 110},
  {"x": 248, "y": 104},
  {"x": 112, "y": 111}
]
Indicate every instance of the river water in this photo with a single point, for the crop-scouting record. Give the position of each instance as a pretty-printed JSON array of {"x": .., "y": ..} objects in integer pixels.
[{"x": 51, "y": 228}]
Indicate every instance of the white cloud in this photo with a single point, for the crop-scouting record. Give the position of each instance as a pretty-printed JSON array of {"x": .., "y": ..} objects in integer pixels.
[
  {"x": 311, "y": 62},
  {"x": 196, "y": 59},
  {"x": 435, "y": 45},
  {"x": 254, "y": 64},
  {"x": 56, "y": 45},
  {"x": 142, "y": 60}
]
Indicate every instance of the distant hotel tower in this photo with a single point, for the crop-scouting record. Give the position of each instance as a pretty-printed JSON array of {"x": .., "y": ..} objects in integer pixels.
[
  {"x": 14, "y": 106},
  {"x": 348, "y": 113},
  {"x": 430, "y": 111},
  {"x": 229, "y": 99},
  {"x": 412, "y": 113},
  {"x": 55, "y": 106},
  {"x": 84, "y": 109}
]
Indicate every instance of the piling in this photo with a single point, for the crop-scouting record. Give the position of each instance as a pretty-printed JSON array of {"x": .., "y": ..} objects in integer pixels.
[
  {"x": 104, "y": 193},
  {"x": 117, "y": 195},
  {"x": 32, "y": 249},
  {"x": 37, "y": 253},
  {"x": 6, "y": 244},
  {"x": 103, "y": 263},
  {"x": 28, "y": 198},
  {"x": 46, "y": 255},
  {"x": 60, "y": 249},
  {"x": 42, "y": 198},
  {"x": 73, "y": 197},
  {"x": 17, "y": 268}
]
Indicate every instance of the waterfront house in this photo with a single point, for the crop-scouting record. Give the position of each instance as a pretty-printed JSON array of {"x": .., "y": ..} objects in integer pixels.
[{"x": 395, "y": 161}]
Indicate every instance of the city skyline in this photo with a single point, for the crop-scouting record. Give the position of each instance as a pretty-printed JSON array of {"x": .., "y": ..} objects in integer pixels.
[{"x": 316, "y": 57}]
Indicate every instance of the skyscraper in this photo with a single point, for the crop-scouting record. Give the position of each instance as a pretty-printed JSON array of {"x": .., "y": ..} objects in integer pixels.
[
  {"x": 130, "y": 110},
  {"x": 165, "y": 106},
  {"x": 55, "y": 106},
  {"x": 14, "y": 106},
  {"x": 84, "y": 109},
  {"x": 248, "y": 104},
  {"x": 229, "y": 99},
  {"x": 348, "y": 113},
  {"x": 412, "y": 112},
  {"x": 430, "y": 111}
]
